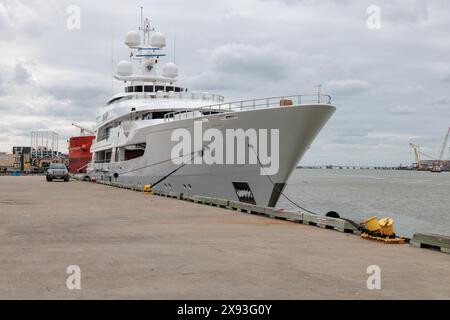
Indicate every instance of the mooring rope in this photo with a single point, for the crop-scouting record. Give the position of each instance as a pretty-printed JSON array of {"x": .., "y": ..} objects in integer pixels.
[
  {"x": 355, "y": 224},
  {"x": 195, "y": 154},
  {"x": 275, "y": 186}
]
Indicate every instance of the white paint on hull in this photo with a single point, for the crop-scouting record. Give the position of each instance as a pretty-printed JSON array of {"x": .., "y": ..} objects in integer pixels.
[{"x": 298, "y": 126}]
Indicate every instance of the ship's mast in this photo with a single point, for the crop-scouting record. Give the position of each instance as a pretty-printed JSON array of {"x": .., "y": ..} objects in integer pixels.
[
  {"x": 147, "y": 50},
  {"x": 145, "y": 28}
]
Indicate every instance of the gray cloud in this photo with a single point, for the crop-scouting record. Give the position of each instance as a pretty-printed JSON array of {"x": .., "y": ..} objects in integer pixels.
[
  {"x": 402, "y": 110},
  {"x": 348, "y": 87},
  {"x": 260, "y": 63},
  {"x": 21, "y": 74},
  {"x": 389, "y": 85}
]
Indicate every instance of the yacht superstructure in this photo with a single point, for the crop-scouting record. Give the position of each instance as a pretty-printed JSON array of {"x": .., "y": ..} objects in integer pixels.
[{"x": 244, "y": 150}]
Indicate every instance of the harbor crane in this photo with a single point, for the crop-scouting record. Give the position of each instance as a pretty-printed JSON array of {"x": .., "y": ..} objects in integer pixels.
[
  {"x": 416, "y": 149},
  {"x": 83, "y": 130},
  {"x": 444, "y": 145},
  {"x": 437, "y": 165},
  {"x": 418, "y": 155}
]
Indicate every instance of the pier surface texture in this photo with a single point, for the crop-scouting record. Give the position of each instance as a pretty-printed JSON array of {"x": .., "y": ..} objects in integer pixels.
[{"x": 136, "y": 246}]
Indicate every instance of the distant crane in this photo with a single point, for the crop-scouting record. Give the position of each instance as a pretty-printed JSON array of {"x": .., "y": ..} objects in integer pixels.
[
  {"x": 83, "y": 130},
  {"x": 418, "y": 154},
  {"x": 444, "y": 145},
  {"x": 437, "y": 165},
  {"x": 416, "y": 149}
]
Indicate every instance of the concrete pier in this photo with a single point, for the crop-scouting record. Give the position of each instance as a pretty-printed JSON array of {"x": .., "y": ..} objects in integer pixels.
[{"x": 135, "y": 246}]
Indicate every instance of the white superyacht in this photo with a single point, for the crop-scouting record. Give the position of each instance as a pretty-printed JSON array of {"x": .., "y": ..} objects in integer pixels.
[{"x": 243, "y": 151}]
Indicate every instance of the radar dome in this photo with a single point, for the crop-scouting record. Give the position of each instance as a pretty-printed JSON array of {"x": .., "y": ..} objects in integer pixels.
[
  {"x": 170, "y": 70},
  {"x": 132, "y": 39},
  {"x": 158, "y": 40},
  {"x": 124, "y": 68}
]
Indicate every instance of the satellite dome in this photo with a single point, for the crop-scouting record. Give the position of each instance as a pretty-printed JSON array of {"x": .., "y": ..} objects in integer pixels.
[
  {"x": 124, "y": 68},
  {"x": 132, "y": 39},
  {"x": 170, "y": 70},
  {"x": 158, "y": 40}
]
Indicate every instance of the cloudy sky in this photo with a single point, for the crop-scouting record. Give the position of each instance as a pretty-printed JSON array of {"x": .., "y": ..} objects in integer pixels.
[{"x": 391, "y": 85}]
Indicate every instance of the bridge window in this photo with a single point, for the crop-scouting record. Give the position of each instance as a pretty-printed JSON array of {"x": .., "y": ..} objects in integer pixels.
[{"x": 147, "y": 88}]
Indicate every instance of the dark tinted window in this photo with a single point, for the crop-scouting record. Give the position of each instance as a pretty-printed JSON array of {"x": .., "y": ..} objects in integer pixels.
[
  {"x": 57, "y": 166},
  {"x": 159, "y": 115},
  {"x": 117, "y": 100},
  {"x": 152, "y": 89}
]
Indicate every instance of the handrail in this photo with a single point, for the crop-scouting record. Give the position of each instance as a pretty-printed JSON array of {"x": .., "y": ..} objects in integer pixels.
[
  {"x": 194, "y": 95},
  {"x": 263, "y": 103}
]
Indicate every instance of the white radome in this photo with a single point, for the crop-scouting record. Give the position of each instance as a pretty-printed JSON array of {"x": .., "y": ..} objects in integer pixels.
[
  {"x": 132, "y": 39},
  {"x": 124, "y": 68},
  {"x": 158, "y": 40},
  {"x": 170, "y": 70}
]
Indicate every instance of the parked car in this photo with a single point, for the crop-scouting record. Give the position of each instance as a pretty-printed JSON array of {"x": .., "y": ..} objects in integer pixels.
[{"x": 58, "y": 171}]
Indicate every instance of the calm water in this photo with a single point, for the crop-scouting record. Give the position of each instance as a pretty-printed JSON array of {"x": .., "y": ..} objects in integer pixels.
[{"x": 418, "y": 201}]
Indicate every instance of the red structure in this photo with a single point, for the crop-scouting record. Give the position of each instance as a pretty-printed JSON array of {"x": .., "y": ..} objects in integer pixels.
[{"x": 80, "y": 153}]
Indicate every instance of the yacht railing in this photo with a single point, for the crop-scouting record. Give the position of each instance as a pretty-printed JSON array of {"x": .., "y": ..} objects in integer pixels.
[
  {"x": 202, "y": 96},
  {"x": 244, "y": 105}
]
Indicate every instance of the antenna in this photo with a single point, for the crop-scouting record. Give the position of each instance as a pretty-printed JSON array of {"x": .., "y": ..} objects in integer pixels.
[
  {"x": 142, "y": 25},
  {"x": 175, "y": 48},
  {"x": 112, "y": 58}
]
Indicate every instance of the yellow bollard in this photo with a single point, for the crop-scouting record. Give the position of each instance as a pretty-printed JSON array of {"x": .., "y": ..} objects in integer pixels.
[
  {"x": 372, "y": 224},
  {"x": 387, "y": 226},
  {"x": 148, "y": 189}
]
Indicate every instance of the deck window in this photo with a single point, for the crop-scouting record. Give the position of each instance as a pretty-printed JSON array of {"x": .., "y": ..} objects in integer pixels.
[
  {"x": 103, "y": 156},
  {"x": 130, "y": 152}
]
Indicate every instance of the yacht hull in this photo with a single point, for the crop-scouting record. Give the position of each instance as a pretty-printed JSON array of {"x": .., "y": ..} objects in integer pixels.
[{"x": 298, "y": 127}]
